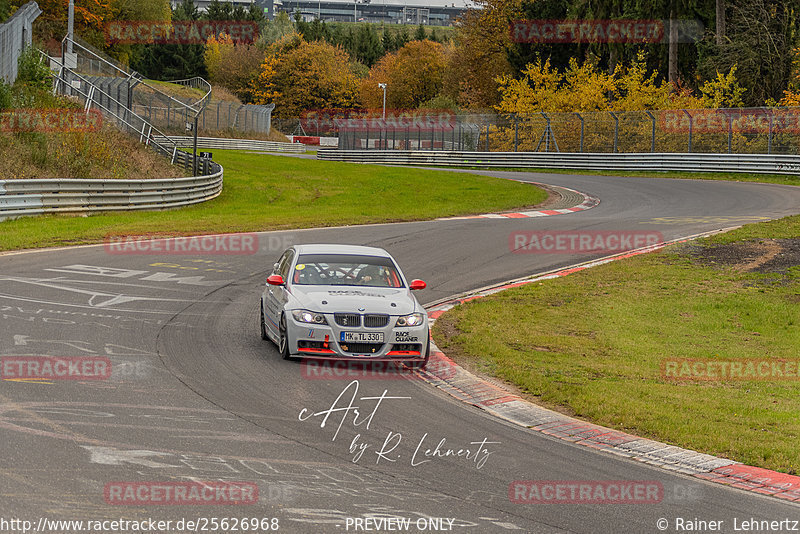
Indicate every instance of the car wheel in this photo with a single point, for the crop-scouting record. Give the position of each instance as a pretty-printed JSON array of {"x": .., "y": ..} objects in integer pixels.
[
  {"x": 283, "y": 340},
  {"x": 421, "y": 365},
  {"x": 263, "y": 324}
]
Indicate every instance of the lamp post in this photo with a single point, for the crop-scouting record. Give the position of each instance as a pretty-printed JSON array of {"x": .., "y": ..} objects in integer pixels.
[{"x": 383, "y": 86}]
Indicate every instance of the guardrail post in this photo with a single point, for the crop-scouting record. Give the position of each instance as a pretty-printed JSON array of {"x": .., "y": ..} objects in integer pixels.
[
  {"x": 653, "y": 134},
  {"x": 516, "y": 131},
  {"x": 169, "y": 108},
  {"x": 691, "y": 128},
  {"x": 616, "y": 130},
  {"x": 581, "y": 118}
]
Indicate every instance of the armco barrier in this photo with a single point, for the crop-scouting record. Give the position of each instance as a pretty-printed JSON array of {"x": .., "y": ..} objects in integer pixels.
[
  {"x": 745, "y": 163},
  {"x": 236, "y": 144},
  {"x": 35, "y": 197}
]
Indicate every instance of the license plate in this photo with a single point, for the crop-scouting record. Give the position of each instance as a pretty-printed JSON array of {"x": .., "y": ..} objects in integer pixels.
[{"x": 361, "y": 337}]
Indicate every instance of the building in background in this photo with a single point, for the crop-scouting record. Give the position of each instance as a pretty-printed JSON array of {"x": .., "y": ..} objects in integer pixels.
[
  {"x": 367, "y": 11},
  {"x": 202, "y": 5}
]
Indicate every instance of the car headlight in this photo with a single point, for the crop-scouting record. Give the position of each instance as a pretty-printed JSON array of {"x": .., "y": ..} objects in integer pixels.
[
  {"x": 305, "y": 316},
  {"x": 414, "y": 319}
]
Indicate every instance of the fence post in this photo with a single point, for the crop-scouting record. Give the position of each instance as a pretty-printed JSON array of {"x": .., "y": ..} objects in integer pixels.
[
  {"x": 616, "y": 130},
  {"x": 581, "y": 118},
  {"x": 691, "y": 127},
  {"x": 653, "y": 134},
  {"x": 516, "y": 131},
  {"x": 769, "y": 138},
  {"x": 487, "y": 136},
  {"x": 730, "y": 131}
]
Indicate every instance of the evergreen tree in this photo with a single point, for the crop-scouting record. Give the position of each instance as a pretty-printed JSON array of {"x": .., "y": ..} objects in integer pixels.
[
  {"x": 387, "y": 41},
  {"x": 173, "y": 61},
  {"x": 368, "y": 48},
  {"x": 401, "y": 38},
  {"x": 420, "y": 34}
]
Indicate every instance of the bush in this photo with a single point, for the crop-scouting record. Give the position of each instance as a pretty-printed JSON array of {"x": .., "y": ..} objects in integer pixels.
[
  {"x": 5, "y": 96},
  {"x": 33, "y": 71}
]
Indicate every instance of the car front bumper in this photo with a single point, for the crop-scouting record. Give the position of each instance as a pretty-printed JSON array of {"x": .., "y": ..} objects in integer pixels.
[{"x": 325, "y": 341}]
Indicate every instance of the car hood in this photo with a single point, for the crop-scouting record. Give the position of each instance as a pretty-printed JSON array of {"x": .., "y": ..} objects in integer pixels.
[{"x": 330, "y": 299}]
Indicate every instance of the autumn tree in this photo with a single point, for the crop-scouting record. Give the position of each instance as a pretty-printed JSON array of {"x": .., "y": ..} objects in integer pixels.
[
  {"x": 413, "y": 75},
  {"x": 233, "y": 65},
  {"x": 298, "y": 76},
  {"x": 479, "y": 56}
]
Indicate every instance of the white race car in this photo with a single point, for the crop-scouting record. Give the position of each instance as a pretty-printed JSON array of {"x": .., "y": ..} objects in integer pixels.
[{"x": 344, "y": 302}]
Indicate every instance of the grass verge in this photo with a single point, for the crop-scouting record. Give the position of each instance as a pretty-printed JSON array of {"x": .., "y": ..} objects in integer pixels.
[
  {"x": 264, "y": 192},
  {"x": 593, "y": 344}
]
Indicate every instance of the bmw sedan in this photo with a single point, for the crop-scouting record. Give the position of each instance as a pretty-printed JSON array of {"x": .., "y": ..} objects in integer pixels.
[{"x": 344, "y": 302}]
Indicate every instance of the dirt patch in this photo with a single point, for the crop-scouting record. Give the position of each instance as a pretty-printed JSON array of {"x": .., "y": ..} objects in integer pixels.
[{"x": 756, "y": 256}]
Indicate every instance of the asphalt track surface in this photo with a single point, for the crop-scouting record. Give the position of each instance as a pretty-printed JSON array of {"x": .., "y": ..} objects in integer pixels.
[{"x": 196, "y": 395}]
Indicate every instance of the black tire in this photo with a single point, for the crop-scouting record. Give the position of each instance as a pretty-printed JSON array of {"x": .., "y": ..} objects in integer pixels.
[
  {"x": 263, "y": 324},
  {"x": 283, "y": 340}
]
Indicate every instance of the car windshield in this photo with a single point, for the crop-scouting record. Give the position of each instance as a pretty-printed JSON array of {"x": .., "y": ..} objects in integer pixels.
[{"x": 346, "y": 270}]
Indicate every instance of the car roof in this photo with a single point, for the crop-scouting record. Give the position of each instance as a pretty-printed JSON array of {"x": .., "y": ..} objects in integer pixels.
[{"x": 321, "y": 248}]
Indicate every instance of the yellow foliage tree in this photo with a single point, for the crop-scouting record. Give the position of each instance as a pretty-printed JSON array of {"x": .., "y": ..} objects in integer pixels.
[
  {"x": 414, "y": 74},
  {"x": 299, "y": 76},
  {"x": 723, "y": 92},
  {"x": 233, "y": 66}
]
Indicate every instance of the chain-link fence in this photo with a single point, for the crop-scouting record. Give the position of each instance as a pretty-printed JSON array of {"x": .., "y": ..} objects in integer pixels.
[
  {"x": 169, "y": 106},
  {"x": 736, "y": 130},
  {"x": 216, "y": 116},
  {"x": 15, "y": 36}
]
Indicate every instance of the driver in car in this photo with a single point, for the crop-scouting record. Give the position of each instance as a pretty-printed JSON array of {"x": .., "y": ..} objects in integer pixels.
[{"x": 373, "y": 275}]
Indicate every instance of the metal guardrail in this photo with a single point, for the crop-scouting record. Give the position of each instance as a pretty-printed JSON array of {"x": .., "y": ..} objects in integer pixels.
[
  {"x": 35, "y": 197},
  {"x": 750, "y": 163},
  {"x": 235, "y": 144}
]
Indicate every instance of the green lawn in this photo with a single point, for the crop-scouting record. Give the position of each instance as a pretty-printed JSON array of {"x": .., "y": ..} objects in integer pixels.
[
  {"x": 264, "y": 192},
  {"x": 593, "y": 344}
]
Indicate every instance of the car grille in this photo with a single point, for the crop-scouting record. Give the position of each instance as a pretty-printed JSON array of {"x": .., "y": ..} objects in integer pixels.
[
  {"x": 362, "y": 348},
  {"x": 347, "y": 319},
  {"x": 376, "y": 320}
]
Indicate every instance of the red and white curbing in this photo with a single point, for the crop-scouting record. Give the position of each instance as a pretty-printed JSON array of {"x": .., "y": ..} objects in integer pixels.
[
  {"x": 463, "y": 385},
  {"x": 588, "y": 203}
]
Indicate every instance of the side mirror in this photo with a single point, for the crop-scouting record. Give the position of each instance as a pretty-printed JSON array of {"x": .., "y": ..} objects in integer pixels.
[
  {"x": 275, "y": 280},
  {"x": 417, "y": 284}
]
